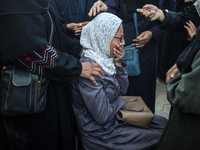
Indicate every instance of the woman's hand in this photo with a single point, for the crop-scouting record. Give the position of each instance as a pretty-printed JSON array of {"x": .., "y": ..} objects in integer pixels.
[
  {"x": 191, "y": 29},
  {"x": 142, "y": 39},
  {"x": 97, "y": 8},
  {"x": 119, "y": 54},
  {"x": 171, "y": 72},
  {"x": 72, "y": 26},
  {"x": 187, "y": 1},
  {"x": 89, "y": 69},
  {"x": 152, "y": 13},
  {"x": 76, "y": 27},
  {"x": 79, "y": 28}
]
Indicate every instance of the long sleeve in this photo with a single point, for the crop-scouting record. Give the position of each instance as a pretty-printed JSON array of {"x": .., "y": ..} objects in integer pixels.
[
  {"x": 183, "y": 89},
  {"x": 51, "y": 63},
  {"x": 97, "y": 102},
  {"x": 175, "y": 21},
  {"x": 122, "y": 78},
  {"x": 72, "y": 46}
]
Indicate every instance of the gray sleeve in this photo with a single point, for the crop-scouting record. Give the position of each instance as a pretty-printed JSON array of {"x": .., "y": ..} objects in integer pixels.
[
  {"x": 96, "y": 101},
  {"x": 122, "y": 77}
]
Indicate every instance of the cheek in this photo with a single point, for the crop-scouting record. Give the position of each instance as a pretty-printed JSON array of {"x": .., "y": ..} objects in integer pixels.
[{"x": 112, "y": 46}]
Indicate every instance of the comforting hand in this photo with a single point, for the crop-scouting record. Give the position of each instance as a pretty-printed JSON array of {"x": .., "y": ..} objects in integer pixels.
[
  {"x": 97, "y": 8},
  {"x": 119, "y": 54},
  {"x": 191, "y": 29},
  {"x": 152, "y": 13},
  {"x": 89, "y": 69},
  {"x": 171, "y": 72},
  {"x": 142, "y": 39}
]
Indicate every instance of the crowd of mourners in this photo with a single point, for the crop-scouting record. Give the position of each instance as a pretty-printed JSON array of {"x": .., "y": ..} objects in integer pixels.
[{"x": 86, "y": 72}]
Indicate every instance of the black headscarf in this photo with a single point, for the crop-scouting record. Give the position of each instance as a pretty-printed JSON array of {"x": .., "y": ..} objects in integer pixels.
[
  {"x": 22, "y": 27},
  {"x": 186, "y": 58}
]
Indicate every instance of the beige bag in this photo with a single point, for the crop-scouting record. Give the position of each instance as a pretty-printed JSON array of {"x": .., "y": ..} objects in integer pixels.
[{"x": 135, "y": 112}]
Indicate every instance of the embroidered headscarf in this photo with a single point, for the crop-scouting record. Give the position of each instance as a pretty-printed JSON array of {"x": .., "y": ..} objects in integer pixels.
[{"x": 96, "y": 37}]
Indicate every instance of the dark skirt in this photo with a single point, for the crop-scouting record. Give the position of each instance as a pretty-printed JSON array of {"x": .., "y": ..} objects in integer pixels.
[
  {"x": 170, "y": 47},
  {"x": 51, "y": 130}
]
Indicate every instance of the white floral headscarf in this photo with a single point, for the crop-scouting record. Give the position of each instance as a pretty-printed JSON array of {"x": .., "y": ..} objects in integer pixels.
[
  {"x": 197, "y": 5},
  {"x": 96, "y": 37}
]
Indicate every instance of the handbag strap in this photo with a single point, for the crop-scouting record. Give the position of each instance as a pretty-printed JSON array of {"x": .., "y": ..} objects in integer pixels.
[
  {"x": 135, "y": 22},
  {"x": 52, "y": 29}
]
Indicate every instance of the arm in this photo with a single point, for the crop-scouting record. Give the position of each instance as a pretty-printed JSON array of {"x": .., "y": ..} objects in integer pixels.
[
  {"x": 56, "y": 65},
  {"x": 97, "y": 102},
  {"x": 122, "y": 78},
  {"x": 183, "y": 89},
  {"x": 170, "y": 21},
  {"x": 72, "y": 46}
]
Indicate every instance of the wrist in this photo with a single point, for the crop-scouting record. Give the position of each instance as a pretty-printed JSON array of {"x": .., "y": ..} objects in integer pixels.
[
  {"x": 118, "y": 63},
  {"x": 68, "y": 26},
  {"x": 162, "y": 16}
]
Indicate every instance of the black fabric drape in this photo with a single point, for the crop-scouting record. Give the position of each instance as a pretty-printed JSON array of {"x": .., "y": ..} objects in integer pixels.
[
  {"x": 12, "y": 15},
  {"x": 185, "y": 59},
  {"x": 23, "y": 7}
]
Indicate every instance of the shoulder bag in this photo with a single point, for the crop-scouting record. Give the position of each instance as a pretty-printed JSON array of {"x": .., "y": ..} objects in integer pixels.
[
  {"x": 131, "y": 57},
  {"x": 23, "y": 92}
]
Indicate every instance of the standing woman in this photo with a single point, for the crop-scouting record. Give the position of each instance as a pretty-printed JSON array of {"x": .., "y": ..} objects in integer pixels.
[
  {"x": 183, "y": 128},
  {"x": 143, "y": 85},
  {"x": 73, "y": 14},
  {"x": 25, "y": 28},
  {"x": 172, "y": 45}
]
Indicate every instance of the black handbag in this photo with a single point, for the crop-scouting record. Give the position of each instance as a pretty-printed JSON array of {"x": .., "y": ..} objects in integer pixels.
[{"x": 23, "y": 92}]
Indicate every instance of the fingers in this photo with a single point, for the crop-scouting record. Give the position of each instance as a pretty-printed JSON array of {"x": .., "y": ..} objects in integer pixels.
[
  {"x": 78, "y": 32},
  {"x": 171, "y": 72},
  {"x": 138, "y": 45},
  {"x": 98, "y": 71},
  {"x": 192, "y": 24},
  {"x": 93, "y": 80},
  {"x": 92, "y": 11},
  {"x": 89, "y": 69},
  {"x": 117, "y": 52},
  {"x": 96, "y": 65},
  {"x": 97, "y": 68},
  {"x": 95, "y": 9}
]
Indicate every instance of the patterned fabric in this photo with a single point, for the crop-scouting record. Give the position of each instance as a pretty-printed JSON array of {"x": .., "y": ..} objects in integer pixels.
[
  {"x": 197, "y": 5},
  {"x": 96, "y": 37},
  {"x": 38, "y": 62}
]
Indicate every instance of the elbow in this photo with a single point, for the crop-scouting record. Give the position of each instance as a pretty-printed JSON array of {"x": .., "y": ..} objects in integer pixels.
[{"x": 102, "y": 120}]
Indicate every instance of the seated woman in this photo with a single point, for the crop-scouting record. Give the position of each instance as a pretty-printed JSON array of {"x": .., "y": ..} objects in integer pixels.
[{"x": 95, "y": 107}]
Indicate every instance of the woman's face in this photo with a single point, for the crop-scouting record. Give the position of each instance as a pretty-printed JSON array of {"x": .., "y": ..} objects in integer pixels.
[{"x": 118, "y": 38}]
